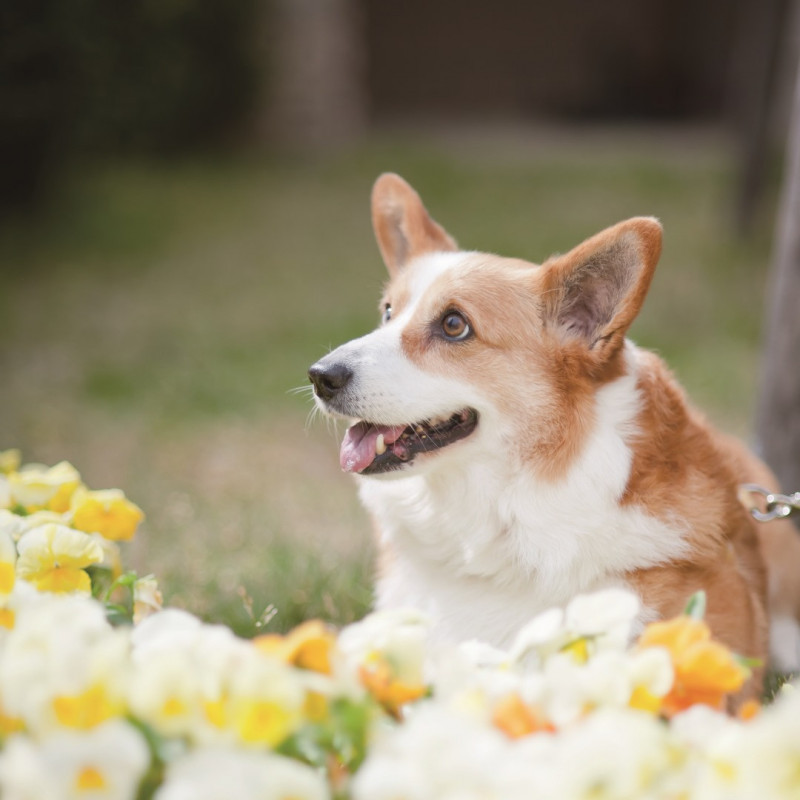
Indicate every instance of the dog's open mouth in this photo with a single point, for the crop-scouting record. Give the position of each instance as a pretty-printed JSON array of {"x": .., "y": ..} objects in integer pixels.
[{"x": 370, "y": 449}]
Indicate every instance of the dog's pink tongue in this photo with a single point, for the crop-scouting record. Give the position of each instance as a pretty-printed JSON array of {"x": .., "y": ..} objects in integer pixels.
[{"x": 358, "y": 446}]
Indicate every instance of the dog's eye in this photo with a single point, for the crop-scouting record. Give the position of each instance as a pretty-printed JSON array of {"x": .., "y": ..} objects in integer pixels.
[
  {"x": 387, "y": 313},
  {"x": 455, "y": 326}
]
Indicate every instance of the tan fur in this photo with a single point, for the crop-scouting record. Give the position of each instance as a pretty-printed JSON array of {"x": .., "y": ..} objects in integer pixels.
[
  {"x": 403, "y": 228},
  {"x": 555, "y": 333},
  {"x": 683, "y": 468}
]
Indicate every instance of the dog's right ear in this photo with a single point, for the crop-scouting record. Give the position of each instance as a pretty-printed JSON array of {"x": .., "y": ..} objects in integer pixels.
[{"x": 403, "y": 227}]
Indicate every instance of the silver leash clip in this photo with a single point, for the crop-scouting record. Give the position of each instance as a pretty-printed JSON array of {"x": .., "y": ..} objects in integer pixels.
[{"x": 778, "y": 506}]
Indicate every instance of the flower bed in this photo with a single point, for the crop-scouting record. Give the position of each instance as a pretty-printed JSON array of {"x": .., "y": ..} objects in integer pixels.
[{"x": 104, "y": 694}]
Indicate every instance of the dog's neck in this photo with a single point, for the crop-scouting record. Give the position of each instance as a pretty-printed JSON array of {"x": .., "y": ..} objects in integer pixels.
[{"x": 483, "y": 529}]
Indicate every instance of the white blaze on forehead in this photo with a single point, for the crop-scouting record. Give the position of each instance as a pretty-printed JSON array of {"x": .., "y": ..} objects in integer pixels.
[
  {"x": 389, "y": 388},
  {"x": 426, "y": 270}
]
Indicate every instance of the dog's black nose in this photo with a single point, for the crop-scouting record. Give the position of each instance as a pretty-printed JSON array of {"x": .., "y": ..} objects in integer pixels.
[{"x": 329, "y": 379}]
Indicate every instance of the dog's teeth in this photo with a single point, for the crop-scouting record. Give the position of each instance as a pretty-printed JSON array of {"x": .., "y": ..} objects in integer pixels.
[{"x": 380, "y": 445}]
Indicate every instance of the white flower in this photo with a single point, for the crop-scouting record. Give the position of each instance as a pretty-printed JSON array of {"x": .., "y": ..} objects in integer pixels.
[
  {"x": 544, "y": 635},
  {"x": 470, "y": 678},
  {"x": 606, "y": 616},
  {"x": 217, "y": 773},
  {"x": 165, "y": 691},
  {"x": 570, "y": 688},
  {"x": 757, "y": 759},
  {"x": 38, "y": 486},
  {"x": 62, "y": 663},
  {"x": 53, "y": 557},
  {"x": 202, "y": 682},
  {"x": 599, "y": 621},
  {"x": 400, "y": 636},
  {"x": 178, "y": 661},
  {"x": 566, "y": 689},
  {"x": 15, "y": 525},
  {"x": 167, "y": 629},
  {"x": 614, "y": 754},
  {"x": 483, "y": 655},
  {"x": 441, "y": 755},
  {"x": 106, "y": 763},
  {"x": 147, "y": 598},
  {"x": 700, "y": 725},
  {"x": 650, "y": 669}
]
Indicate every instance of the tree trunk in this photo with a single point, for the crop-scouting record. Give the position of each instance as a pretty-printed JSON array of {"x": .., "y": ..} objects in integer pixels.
[
  {"x": 761, "y": 31},
  {"x": 318, "y": 79},
  {"x": 778, "y": 422}
]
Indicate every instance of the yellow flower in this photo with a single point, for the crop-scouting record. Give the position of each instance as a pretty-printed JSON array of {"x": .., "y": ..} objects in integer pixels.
[
  {"x": 308, "y": 646},
  {"x": 9, "y": 725},
  {"x": 36, "y": 487},
  {"x": 87, "y": 709},
  {"x": 253, "y": 719},
  {"x": 9, "y": 461},
  {"x": 8, "y": 559},
  {"x": 263, "y": 721},
  {"x": 705, "y": 671},
  {"x": 53, "y": 558},
  {"x": 107, "y": 512},
  {"x": 643, "y": 699},
  {"x": 578, "y": 649},
  {"x": 90, "y": 779}
]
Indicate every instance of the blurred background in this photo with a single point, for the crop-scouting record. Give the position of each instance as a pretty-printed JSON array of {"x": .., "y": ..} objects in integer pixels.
[{"x": 184, "y": 228}]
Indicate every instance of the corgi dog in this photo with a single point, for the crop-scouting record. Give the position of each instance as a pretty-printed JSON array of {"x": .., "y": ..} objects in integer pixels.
[{"x": 516, "y": 450}]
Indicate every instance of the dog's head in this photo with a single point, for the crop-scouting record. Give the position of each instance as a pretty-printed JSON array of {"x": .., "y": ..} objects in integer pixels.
[{"x": 476, "y": 350}]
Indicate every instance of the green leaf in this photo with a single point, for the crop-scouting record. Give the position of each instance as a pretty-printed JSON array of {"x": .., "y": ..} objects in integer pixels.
[
  {"x": 158, "y": 747},
  {"x": 127, "y": 579},
  {"x": 118, "y": 615},
  {"x": 748, "y": 662},
  {"x": 696, "y": 607}
]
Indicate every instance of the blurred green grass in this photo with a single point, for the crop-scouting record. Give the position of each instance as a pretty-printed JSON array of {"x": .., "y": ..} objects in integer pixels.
[{"x": 155, "y": 319}]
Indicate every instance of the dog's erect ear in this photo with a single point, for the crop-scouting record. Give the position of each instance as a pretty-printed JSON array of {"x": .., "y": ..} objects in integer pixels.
[
  {"x": 594, "y": 292},
  {"x": 402, "y": 226}
]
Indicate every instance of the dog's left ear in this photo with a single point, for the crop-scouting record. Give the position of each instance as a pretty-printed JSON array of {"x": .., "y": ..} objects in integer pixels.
[
  {"x": 403, "y": 227},
  {"x": 594, "y": 292}
]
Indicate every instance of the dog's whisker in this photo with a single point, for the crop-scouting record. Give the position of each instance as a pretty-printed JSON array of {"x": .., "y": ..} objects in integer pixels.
[{"x": 312, "y": 414}]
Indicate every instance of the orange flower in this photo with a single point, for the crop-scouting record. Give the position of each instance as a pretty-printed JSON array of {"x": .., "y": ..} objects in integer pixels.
[
  {"x": 750, "y": 709},
  {"x": 705, "y": 671},
  {"x": 512, "y": 716},
  {"x": 378, "y": 679},
  {"x": 308, "y": 646}
]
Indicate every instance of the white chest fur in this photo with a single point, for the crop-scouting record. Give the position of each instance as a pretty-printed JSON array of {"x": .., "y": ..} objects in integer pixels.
[{"x": 482, "y": 546}]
